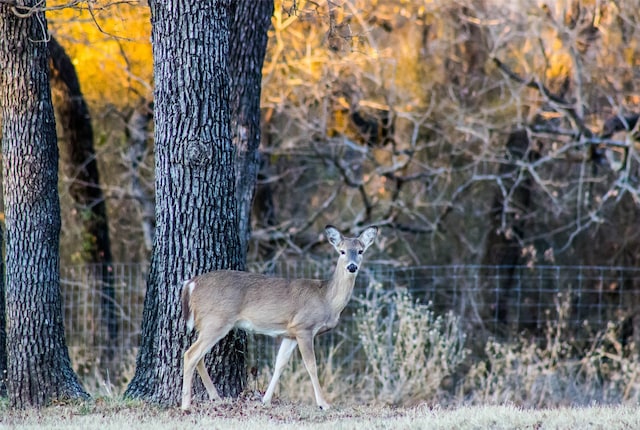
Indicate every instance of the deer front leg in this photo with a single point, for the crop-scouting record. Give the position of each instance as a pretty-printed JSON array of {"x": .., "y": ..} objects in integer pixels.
[
  {"x": 286, "y": 348},
  {"x": 305, "y": 343}
]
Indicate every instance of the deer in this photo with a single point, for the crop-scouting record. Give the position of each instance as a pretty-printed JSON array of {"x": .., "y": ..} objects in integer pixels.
[{"x": 295, "y": 309}]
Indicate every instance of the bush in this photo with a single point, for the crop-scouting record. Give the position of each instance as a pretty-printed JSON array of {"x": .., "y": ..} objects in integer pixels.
[
  {"x": 410, "y": 350},
  {"x": 556, "y": 372}
]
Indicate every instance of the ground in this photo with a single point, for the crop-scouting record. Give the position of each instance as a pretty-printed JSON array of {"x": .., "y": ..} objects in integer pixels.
[{"x": 248, "y": 413}]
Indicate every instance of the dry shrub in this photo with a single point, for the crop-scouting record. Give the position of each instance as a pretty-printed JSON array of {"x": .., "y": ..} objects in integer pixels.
[
  {"x": 556, "y": 372},
  {"x": 610, "y": 370},
  {"x": 410, "y": 350}
]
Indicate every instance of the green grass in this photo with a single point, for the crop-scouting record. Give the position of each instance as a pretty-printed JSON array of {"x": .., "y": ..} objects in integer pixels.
[{"x": 249, "y": 413}]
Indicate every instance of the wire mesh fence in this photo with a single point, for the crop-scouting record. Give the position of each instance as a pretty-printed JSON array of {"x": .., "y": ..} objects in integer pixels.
[
  {"x": 94, "y": 351},
  {"x": 490, "y": 301}
]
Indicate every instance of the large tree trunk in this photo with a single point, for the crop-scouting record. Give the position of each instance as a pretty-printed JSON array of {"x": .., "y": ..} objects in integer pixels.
[
  {"x": 39, "y": 368},
  {"x": 248, "y": 44},
  {"x": 80, "y": 165},
  {"x": 196, "y": 206}
]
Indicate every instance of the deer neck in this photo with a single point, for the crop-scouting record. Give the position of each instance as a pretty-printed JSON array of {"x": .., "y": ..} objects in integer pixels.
[{"x": 340, "y": 287}]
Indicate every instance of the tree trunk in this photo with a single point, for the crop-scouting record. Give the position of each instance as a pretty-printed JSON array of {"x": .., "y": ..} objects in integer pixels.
[
  {"x": 248, "y": 44},
  {"x": 3, "y": 329},
  {"x": 196, "y": 205},
  {"x": 80, "y": 166},
  {"x": 503, "y": 249},
  {"x": 39, "y": 368},
  {"x": 137, "y": 133}
]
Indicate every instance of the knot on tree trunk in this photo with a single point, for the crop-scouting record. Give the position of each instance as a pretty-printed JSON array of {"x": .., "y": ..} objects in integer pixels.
[{"x": 199, "y": 152}]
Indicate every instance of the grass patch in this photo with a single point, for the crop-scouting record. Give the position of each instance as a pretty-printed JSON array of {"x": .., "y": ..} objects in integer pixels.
[{"x": 248, "y": 413}]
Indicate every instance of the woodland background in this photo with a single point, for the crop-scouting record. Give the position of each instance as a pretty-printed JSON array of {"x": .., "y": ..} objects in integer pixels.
[{"x": 472, "y": 132}]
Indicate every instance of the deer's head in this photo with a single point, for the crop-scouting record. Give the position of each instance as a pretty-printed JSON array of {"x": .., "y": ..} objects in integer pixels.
[{"x": 351, "y": 249}]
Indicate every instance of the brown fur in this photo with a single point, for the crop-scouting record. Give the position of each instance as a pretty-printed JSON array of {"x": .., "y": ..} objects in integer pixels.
[
  {"x": 185, "y": 297},
  {"x": 297, "y": 310}
]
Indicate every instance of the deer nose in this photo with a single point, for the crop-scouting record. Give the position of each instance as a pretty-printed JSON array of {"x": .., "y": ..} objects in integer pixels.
[{"x": 352, "y": 268}]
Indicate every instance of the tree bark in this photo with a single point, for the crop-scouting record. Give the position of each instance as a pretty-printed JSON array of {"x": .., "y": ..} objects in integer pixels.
[
  {"x": 137, "y": 133},
  {"x": 80, "y": 166},
  {"x": 248, "y": 44},
  {"x": 3, "y": 329},
  {"x": 196, "y": 205},
  {"x": 39, "y": 368}
]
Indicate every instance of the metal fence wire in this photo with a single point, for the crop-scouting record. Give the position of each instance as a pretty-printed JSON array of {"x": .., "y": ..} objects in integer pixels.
[{"x": 490, "y": 301}]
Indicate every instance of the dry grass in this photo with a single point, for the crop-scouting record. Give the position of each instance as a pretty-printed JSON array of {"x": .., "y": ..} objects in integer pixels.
[{"x": 249, "y": 413}]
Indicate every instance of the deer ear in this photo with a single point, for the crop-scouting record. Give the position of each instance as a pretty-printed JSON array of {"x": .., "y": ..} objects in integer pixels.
[
  {"x": 333, "y": 235},
  {"x": 368, "y": 236}
]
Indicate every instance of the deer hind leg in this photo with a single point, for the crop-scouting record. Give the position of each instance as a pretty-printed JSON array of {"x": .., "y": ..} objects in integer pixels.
[
  {"x": 206, "y": 379},
  {"x": 194, "y": 357},
  {"x": 286, "y": 348},
  {"x": 305, "y": 343}
]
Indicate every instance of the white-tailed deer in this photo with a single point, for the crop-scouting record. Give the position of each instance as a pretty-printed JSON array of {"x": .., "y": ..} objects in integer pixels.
[{"x": 296, "y": 309}]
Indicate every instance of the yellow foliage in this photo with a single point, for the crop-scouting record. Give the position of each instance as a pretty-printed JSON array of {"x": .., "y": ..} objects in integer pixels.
[
  {"x": 109, "y": 46},
  {"x": 399, "y": 51}
]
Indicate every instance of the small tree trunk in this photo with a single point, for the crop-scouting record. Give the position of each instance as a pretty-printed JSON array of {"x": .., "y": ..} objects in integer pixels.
[
  {"x": 248, "y": 44},
  {"x": 80, "y": 166},
  {"x": 137, "y": 133},
  {"x": 502, "y": 249}
]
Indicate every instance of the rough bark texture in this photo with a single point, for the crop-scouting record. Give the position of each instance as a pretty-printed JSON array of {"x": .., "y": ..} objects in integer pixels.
[
  {"x": 137, "y": 133},
  {"x": 248, "y": 44},
  {"x": 3, "y": 329},
  {"x": 81, "y": 168},
  {"x": 196, "y": 211},
  {"x": 39, "y": 368}
]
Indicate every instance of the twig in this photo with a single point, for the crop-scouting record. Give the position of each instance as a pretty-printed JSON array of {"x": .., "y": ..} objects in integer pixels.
[{"x": 561, "y": 103}]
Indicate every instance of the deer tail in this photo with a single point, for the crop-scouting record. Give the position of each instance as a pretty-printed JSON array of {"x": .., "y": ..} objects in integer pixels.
[{"x": 187, "y": 314}]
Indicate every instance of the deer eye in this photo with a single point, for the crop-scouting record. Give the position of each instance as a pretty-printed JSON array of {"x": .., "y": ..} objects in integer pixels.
[
  {"x": 343, "y": 252},
  {"x": 360, "y": 252}
]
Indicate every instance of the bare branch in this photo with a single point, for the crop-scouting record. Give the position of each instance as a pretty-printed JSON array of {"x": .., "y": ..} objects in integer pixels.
[{"x": 560, "y": 102}]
